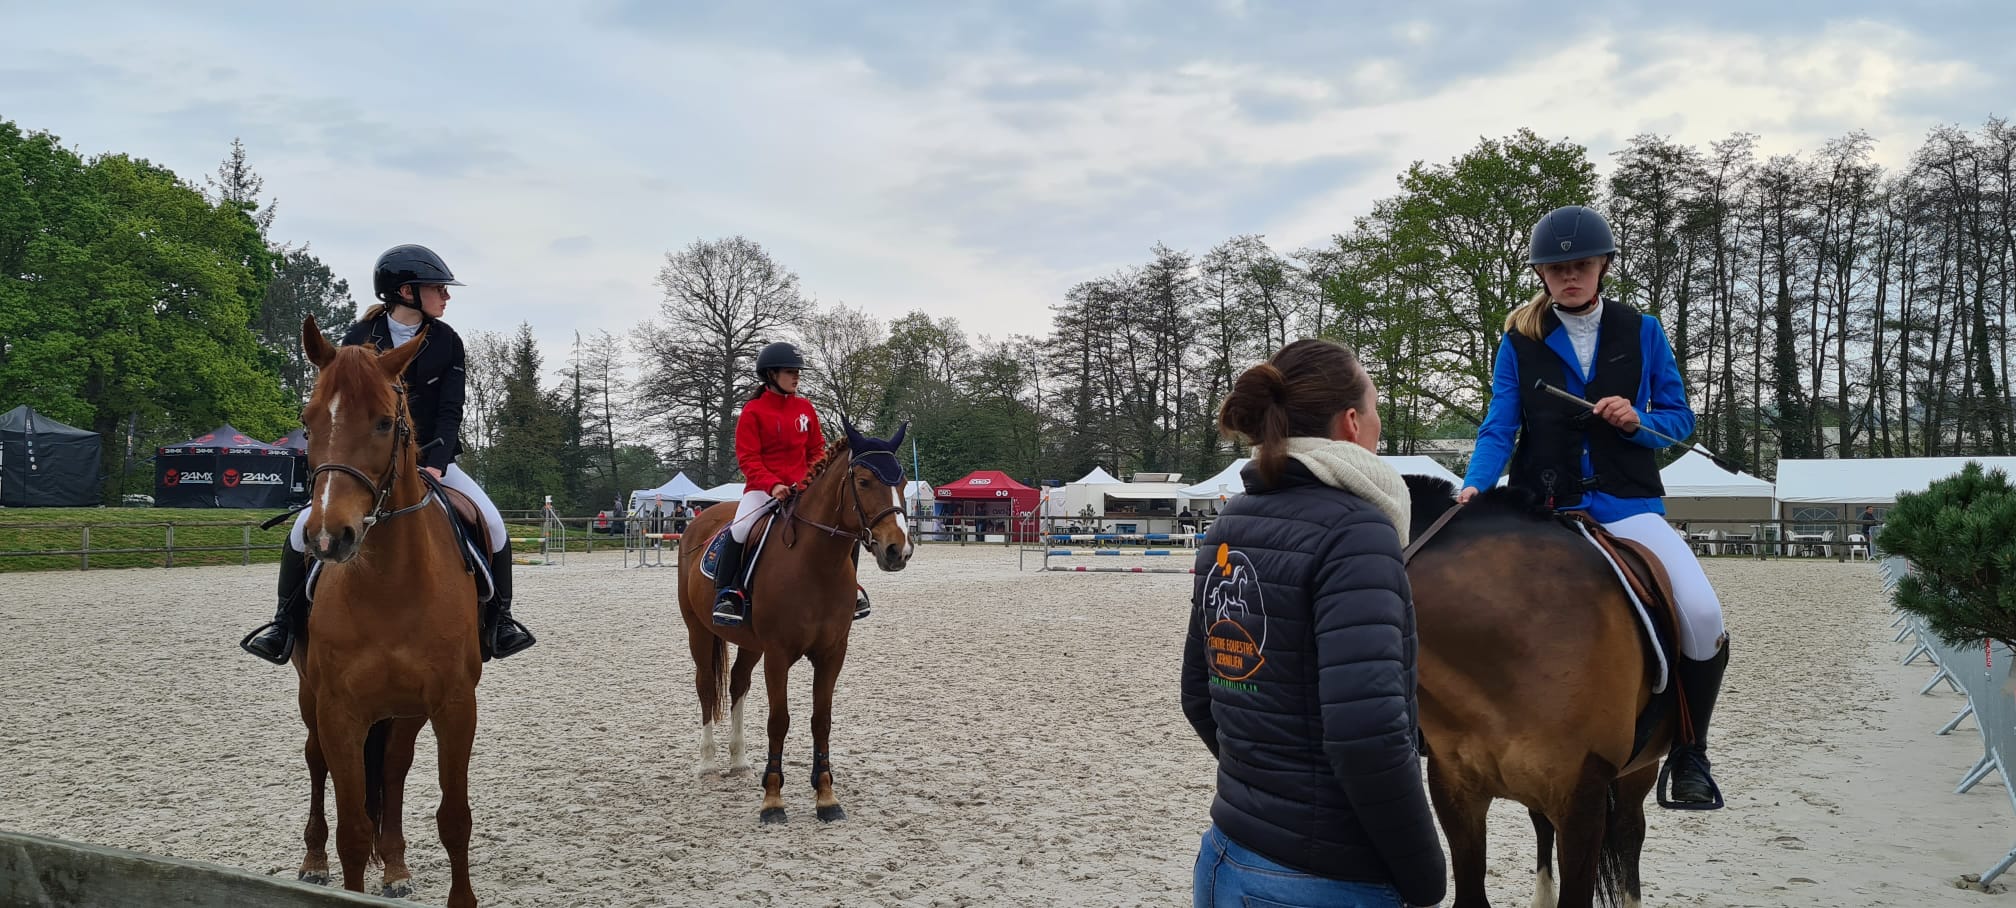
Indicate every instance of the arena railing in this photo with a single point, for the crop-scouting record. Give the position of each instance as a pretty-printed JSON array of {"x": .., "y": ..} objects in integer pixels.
[{"x": 1981, "y": 672}]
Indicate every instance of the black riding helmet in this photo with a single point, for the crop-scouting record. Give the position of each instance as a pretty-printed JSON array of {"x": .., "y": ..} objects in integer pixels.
[
  {"x": 1570, "y": 233},
  {"x": 779, "y": 355},
  {"x": 409, "y": 264}
]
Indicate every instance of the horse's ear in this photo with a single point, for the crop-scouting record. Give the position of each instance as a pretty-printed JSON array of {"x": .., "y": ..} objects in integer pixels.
[
  {"x": 393, "y": 364},
  {"x": 896, "y": 442},
  {"x": 854, "y": 439},
  {"x": 314, "y": 344}
]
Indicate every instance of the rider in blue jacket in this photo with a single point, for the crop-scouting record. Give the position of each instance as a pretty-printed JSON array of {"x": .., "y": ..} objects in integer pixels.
[{"x": 1600, "y": 461}]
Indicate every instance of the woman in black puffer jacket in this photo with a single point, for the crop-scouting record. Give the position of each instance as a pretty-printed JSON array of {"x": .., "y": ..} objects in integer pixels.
[{"x": 1299, "y": 669}]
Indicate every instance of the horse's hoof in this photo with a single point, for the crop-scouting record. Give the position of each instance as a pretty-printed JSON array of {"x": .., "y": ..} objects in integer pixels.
[
  {"x": 773, "y": 816},
  {"x": 400, "y": 890},
  {"x": 832, "y": 814},
  {"x": 737, "y": 772},
  {"x": 314, "y": 878}
]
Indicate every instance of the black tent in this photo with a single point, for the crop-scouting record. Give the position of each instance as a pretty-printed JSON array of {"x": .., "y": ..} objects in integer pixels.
[
  {"x": 46, "y": 464},
  {"x": 296, "y": 442},
  {"x": 223, "y": 468}
]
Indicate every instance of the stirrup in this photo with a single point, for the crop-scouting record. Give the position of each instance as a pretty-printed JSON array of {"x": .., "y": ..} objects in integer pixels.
[
  {"x": 286, "y": 647},
  {"x": 730, "y": 608},
  {"x": 1699, "y": 764},
  {"x": 862, "y": 607}
]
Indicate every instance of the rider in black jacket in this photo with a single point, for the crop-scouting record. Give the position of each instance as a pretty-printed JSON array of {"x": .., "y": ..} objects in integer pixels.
[{"x": 414, "y": 278}]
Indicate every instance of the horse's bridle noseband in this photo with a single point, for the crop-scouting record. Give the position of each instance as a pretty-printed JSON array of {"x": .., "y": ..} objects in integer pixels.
[{"x": 381, "y": 488}]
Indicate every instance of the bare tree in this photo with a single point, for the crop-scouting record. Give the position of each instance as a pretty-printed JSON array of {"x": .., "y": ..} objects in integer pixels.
[
  {"x": 850, "y": 366},
  {"x": 724, "y": 299}
]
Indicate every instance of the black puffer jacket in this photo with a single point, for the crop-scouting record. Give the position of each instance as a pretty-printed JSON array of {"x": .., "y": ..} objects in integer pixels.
[
  {"x": 435, "y": 384},
  {"x": 1299, "y": 676}
]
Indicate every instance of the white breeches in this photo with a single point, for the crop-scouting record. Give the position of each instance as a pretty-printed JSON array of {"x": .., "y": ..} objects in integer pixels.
[
  {"x": 1700, "y": 609},
  {"x": 453, "y": 478},
  {"x": 752, "y": 507}
]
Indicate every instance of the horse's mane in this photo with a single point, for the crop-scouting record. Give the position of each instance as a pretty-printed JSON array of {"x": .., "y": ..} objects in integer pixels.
[
  {"x": 834, "y": 450},
  {"x": 1430, "y": 496},
  {"x": 354, "y": 374}
]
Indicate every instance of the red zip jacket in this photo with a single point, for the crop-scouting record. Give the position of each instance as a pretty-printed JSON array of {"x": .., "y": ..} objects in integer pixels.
[{"x": 777, "y": 439}]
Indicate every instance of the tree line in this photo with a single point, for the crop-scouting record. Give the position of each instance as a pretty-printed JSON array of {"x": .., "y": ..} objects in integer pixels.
[{"x": 1819, "y": 305}]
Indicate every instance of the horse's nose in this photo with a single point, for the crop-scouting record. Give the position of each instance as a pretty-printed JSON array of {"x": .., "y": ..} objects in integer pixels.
[{"x": 336, "y": 548}]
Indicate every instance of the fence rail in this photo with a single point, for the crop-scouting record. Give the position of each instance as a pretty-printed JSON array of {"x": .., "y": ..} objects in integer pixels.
[{"x": 1981, "y": 672}]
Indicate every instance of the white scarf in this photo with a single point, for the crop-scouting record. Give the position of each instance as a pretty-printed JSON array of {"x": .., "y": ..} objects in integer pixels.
[{"x": 1345, "y": 465}]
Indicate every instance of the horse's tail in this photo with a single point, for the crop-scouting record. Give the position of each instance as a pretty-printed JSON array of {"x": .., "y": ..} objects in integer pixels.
[
  {"x": 1612, "y": 870},
  {"x": 374, "y": 772}
]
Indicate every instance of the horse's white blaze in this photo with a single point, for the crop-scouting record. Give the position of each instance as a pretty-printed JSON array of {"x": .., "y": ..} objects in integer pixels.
[
  {"x": 1543, "y": 889},
  {"x": 335, "y": 408},
  {"x": 902, "y": 518}
]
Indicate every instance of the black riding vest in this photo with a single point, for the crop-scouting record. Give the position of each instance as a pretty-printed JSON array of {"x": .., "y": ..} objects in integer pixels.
[{"x": 1553, "y": 432}]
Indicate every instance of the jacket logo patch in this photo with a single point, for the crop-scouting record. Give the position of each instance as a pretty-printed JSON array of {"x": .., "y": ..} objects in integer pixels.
[
  {"x": 804, "y": 423},
  {"x": 1236, "y": 641}
]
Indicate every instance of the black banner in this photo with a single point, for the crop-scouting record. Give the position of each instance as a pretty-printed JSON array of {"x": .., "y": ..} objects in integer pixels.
[{"x": 254, "y": 480}]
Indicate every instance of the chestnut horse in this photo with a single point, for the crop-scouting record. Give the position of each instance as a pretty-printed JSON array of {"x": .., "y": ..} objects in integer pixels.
[
  {"x": 801, "y": 603},
  {"x": 392, "y": 639},
  {"x": 1533, "y": 673}
]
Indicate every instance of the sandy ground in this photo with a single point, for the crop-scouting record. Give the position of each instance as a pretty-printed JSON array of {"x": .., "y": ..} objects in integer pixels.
[{"x": 1001, "y": 738}]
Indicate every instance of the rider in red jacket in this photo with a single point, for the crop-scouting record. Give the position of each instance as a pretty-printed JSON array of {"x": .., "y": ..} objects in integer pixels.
[{"x": 777, "y": 440}]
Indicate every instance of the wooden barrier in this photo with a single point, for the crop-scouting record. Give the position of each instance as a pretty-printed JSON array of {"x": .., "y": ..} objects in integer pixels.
[{"x": 37, "y": 872}]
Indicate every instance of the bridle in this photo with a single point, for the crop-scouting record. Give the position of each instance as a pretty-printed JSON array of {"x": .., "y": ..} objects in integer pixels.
[
  {"x": 866, "y": 535},
  {"x": 381, "y": 487}
]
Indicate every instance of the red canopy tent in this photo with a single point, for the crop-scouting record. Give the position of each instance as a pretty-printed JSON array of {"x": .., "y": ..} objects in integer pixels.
[{"x": 997, "y": 502}]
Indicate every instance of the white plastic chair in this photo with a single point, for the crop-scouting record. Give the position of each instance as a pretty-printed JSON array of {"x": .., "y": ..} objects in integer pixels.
[{"x": 1858, "y": 545}]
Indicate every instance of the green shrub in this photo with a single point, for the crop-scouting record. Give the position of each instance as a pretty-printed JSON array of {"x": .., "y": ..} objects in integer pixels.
[{"x": 1960, "y": 537}]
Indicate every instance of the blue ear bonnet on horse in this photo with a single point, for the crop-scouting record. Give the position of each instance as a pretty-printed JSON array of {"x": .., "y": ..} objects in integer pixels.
[{"x": 877, "y": 455}]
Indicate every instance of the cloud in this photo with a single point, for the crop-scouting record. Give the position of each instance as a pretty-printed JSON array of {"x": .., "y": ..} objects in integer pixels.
[{"x": 972, "y": 160}]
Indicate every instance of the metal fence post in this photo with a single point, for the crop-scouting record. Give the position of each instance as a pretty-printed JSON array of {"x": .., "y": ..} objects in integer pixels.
[
  {"x": 86, "y": 557},
  {"x": 171, "y": 543},
  {"x": 248, "y": 544}
]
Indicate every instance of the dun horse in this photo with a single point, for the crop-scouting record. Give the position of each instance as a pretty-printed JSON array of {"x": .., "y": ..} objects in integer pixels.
[
  {"x": 392, "y": 640},
  {"x": 801, "y": 603},
  {"x": 1532, "y": 676}
]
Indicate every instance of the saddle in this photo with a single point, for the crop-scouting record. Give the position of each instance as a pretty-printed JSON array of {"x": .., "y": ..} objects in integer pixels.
[
  {"x": 1645, "y": 579},
  {"x": 710, "y": 558}
]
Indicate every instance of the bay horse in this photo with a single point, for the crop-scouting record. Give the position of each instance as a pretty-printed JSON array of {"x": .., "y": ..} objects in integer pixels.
[
  {"x": 801, "y": 603},
  {"x": 391, "y": 641},
  {"x": 1533, "y": 673}
]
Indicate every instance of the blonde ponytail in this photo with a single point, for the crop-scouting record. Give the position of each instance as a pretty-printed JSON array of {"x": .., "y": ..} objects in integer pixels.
[{"x": 1531, "y": 318}]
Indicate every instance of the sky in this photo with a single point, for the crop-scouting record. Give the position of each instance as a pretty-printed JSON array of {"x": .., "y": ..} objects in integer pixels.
[{"x": 972, "y": 159}]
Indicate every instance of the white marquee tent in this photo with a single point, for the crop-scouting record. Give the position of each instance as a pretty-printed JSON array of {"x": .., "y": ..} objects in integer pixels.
[
  {"x": 1226, "y": 484},
  {"x": 675, "y": 490},
  {"x": 1076, "y": 496},
  {"x": 1421, "y": 465},
  {"x": 1870, "y": 481},
  {"x": 727, "y": 491},
  {"x": 1695, "y": 476}
]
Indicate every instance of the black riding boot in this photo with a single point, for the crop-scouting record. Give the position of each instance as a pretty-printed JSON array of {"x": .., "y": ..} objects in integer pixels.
[
  {"x": 861, "y": 604},
  {"x": 1693, "y": 787},
  {"x": 731, "y": 607},
  {"x": 274, "y": 640},
  {"x": 502, "y": 634}
]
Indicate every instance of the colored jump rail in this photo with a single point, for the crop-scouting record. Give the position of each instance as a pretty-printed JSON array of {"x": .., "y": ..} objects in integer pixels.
[
  {"x": 1076, "y": 569},
  {"x": 1133, "y": 553},
  {"x": 1110, "y": 537}
]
